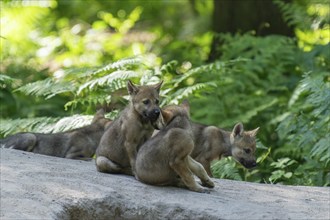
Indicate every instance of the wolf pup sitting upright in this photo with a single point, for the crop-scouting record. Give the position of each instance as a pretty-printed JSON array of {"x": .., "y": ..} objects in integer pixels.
[
  {"x": 118, "y": 147},
  {"x": 211, "y": 143},
  {"x": 164, "y": 159},
  {"x": 79, "y": 143}
]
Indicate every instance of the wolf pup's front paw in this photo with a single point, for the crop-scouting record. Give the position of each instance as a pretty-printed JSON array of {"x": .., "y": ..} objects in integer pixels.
[{"x": 208, "y": 183}]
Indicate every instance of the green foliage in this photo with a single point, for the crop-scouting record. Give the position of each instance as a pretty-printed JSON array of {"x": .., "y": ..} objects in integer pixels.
[
  {"x": 94, "y": 87},
  {"x": 268, "y": 91},
  {"x": 10, "y": 126},
  {"x": 46, "y": 88},
  {"x": 258, "y": 81},
  {"x": 309, "y": 18},
  {"x": 281, "y": 167},
  {"x": 60, "y": 62},
  {"x": 307, "y": 126},
  {"x": 225, "y": 169}
]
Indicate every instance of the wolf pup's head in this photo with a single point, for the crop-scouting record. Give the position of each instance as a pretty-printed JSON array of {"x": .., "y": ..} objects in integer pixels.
[
  {"x": 169, "y": 112},
  {"x": 99, "y": 118},
  {"x": 145, "y": 100},
  {"x": 243, "y": 145}
]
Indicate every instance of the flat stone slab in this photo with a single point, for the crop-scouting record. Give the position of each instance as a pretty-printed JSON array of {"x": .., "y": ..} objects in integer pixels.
[{"x": 42, "y": 187}]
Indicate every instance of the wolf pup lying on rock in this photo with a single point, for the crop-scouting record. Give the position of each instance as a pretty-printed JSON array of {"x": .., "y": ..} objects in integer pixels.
[
  {"x": 211, "y": 143},
  {"x": 79, "y": 143},
  {"x": 165, "y": 158},
  {"x": 118, "y": 147}
]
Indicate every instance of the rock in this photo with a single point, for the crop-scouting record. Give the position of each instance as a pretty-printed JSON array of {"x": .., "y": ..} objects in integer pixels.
[{"x": 42, "y": 187}]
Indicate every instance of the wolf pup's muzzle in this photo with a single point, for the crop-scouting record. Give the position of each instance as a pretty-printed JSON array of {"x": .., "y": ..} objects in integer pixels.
[
  {"x": 248, "y": 164},
  {"x": 154, "y": 114}
]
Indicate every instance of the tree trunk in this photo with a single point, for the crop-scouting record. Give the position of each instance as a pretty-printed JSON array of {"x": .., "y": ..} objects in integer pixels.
[{"x": 232, "y": 16}]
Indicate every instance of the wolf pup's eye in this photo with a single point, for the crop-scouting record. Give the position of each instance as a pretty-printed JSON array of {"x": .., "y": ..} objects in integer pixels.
[
  {"x": 157, "y": 101},
  {"x": 146, "y": 102},
  {"x": 247, "y": 150}
]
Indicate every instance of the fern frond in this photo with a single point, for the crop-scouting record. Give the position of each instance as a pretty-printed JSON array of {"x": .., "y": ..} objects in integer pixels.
[
  {"x": 122, "y": 64},
  {"x": 47, "y": 88},
  {"x": 114, "y": 80},
  {"x": 91, "y": 99},
  {"x": 253, "y": 112},
  {"x": 185, "y": 92},
  {"x": 9, "y": 126},
  {"x": 225, "y": 169},
  {"x": 169, "y": 67},
  {"x": 293, "y": 13},
  {"x": 43, "y": 124},
  {"x": 6, "y": 79},
  {"x": 69, "y": 123},
  {"x": 208, "y": 68},
  {"x": 319, "y": 150}
]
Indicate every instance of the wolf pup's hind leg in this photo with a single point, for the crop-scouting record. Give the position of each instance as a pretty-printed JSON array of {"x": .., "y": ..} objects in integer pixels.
[
  {"x": 199, "y": 171},
  {"x": 180, "y": 167},
  {"x": 105, "y": 165}
]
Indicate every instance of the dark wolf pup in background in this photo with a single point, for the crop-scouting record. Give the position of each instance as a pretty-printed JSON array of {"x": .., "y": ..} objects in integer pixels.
[
  {"x": 118, "y": 147},
  {"x": 213, "y": 143},
  {"x": 79, "y": 143}
]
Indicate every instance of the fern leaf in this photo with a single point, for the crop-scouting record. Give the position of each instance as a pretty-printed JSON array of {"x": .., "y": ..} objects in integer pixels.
[
  {"x": 121, "y": 64},
  {"x": 69, "y": 123},
  {"x": 6, "y": 79},
  {"x": 47, "y": 88},
  {"x": 91, "y": 99},
  {"x": 44, "y": 124},
  {"x": 249, "y": 114},
  {"x": 9, "y": 126},
  {"x": 213, "y": 67},
  {"x": 114, "y": 80},
  {"x": 185, "y": 92},
  {"x": 225, "y": 169},
  {"x": 169, "y": 67}
]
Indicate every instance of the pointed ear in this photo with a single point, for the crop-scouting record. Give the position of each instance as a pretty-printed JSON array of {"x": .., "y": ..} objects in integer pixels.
[
  {"x": 167, "y": 116},
  {"x": 254, "y": 132},
  {"x": 132, "y": 89},
  {"x": 238, "y": 130},
  {"x": 185, "y": 105},
  {"x": 158, "y": 85},
  {"x": 99, "y": 114}
]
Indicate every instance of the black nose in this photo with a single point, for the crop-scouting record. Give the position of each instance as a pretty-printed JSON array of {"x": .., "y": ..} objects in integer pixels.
[
  {"x": 153, "y": 114},
  {"x": 156, "y": 112},
  {"x": 250, "y": 165}
]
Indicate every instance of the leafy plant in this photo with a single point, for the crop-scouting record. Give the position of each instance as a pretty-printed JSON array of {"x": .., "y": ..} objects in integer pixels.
[
  {"x": 281, "y": 169},
  {"x": 55, "y": 72},
  {"x": 95, "y": 87},
  {"x": 225, "y": 169},
  {"x": 307, "y": 126}
]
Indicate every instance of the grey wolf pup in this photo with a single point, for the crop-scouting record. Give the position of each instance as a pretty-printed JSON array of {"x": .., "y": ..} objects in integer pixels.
[
  {"x": 118, "y": 147},
  {"x": 79, "y": 143},
  {"x": 165, "y": 158},
  {"x": 212, "y": 143}
]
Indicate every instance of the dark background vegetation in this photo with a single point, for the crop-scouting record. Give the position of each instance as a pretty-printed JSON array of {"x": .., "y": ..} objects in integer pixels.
[{"x": 263, "y": 63}]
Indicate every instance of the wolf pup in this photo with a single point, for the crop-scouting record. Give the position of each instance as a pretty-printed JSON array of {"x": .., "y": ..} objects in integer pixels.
[
  {"x": 164, "y": 159},
  {"x": 118, "y": 147},
  {"x": 79, "y": 143},
  {"x": 212, "y": 143}
]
